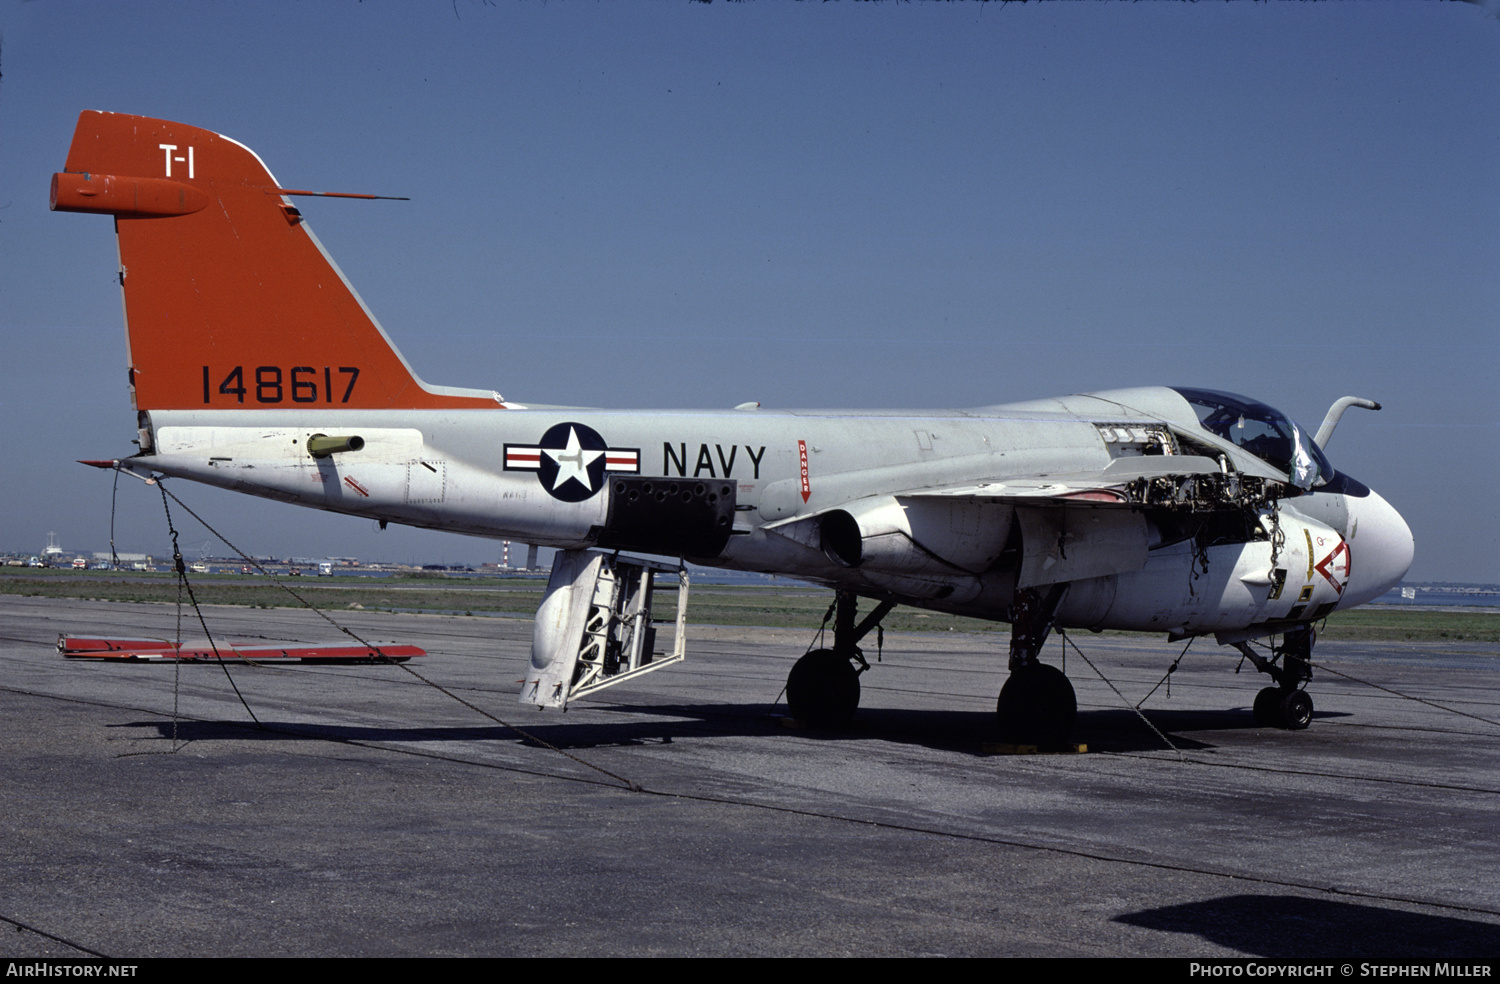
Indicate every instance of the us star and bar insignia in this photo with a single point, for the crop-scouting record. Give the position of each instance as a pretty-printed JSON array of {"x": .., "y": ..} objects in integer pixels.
[{"x": 571, "y": 461}]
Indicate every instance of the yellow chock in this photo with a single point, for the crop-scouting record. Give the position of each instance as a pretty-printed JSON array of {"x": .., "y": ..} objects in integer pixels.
[{"x": 1006, "y": 748}]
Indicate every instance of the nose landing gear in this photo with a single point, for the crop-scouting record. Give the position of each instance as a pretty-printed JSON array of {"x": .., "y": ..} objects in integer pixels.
[{"x": 1285, "y": 705}]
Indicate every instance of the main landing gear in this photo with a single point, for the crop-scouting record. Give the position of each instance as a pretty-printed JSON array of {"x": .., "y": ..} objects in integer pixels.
[
  {"x": 1037, "y": 705},
  {"x": 823, "y": 687},
  {"x": 1285, "y": 705}
]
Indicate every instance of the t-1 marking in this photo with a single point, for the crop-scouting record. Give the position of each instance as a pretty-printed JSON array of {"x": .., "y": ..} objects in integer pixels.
[{"x": 168, "y": 148}]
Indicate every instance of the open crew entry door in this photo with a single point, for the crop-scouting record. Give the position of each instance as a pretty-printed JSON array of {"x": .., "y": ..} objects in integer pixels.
[{"x": 594, "y": 628}]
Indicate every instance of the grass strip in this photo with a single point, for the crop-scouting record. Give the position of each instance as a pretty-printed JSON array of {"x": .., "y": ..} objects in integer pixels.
[{"x": 774, "y": 606}]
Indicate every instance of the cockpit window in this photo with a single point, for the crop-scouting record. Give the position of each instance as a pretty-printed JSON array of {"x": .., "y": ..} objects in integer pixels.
[{"x": 1263, "y": 431}]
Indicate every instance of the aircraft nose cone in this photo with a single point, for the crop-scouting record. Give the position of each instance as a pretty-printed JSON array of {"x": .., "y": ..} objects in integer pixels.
[{"x": 1380, "y": 550}]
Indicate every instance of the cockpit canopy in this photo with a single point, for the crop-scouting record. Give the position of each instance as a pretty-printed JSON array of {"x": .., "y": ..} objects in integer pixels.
[{"x": 1263, "y": 431}]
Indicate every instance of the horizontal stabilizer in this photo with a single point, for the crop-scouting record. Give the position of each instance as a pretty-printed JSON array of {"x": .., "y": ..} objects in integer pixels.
[{"x": 157, "y": 650}]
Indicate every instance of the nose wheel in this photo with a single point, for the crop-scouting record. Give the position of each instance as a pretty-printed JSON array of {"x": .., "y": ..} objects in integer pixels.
[{"x": 1278, "y": 708}]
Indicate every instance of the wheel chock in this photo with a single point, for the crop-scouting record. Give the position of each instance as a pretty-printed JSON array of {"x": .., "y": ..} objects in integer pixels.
[{"x": 1006, "y": 748}]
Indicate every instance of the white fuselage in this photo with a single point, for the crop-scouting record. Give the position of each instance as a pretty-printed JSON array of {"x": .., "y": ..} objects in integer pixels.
[{"x": 549, "y": 477}]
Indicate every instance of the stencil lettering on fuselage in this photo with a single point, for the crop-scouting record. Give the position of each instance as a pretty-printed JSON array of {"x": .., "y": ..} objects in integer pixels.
[{"x": 716, "y": 463}]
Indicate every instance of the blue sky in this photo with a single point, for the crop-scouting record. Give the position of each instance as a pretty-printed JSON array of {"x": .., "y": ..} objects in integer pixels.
[{"x": 928, "y": 204}]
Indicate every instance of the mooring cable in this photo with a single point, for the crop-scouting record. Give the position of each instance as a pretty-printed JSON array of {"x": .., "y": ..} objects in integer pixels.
[
  {"x": 1123, "y": 699},
  {"x": 627, "y": 783}
]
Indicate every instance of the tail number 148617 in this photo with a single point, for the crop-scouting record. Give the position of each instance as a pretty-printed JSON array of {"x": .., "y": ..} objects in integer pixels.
[{"x": 274, "y": 384}]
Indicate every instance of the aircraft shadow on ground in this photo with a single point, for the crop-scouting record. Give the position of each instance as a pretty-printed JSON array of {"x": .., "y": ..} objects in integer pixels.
[
  {"x": 1123, "y": 730},
  {"x": 553, "y": 730},
  {"x": 1102, "y": 731},
  {"x": 1289, "y": 926},
  {"x": 947, "y": 730}
]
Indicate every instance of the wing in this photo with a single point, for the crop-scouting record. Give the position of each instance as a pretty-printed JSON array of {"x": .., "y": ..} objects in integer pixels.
[
  {"x": 933, "y": 542},
  {"x": 1133, "y": 481}
]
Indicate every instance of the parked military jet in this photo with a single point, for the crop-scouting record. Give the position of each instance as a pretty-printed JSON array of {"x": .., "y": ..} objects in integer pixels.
[{"x": 254, "y": 366}]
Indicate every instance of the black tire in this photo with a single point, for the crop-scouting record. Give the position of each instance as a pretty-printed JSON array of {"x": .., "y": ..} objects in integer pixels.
[
  {"x": 1268, "y": 707},
  {"x": 823, "y": 689},
  {"x": 1296, "y": 709},
  {"x": 1037, "y": 706}
]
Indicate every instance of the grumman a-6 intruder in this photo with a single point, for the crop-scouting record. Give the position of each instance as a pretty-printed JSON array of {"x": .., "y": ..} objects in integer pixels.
[{"x": 254, "y": 366}]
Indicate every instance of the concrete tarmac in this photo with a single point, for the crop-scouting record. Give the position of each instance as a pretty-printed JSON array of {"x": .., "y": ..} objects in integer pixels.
[{"x": 143, "y": 812}]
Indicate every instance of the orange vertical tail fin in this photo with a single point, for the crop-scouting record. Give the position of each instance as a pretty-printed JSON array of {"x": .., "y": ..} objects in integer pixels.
[{"x": 230, "y": 301}]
